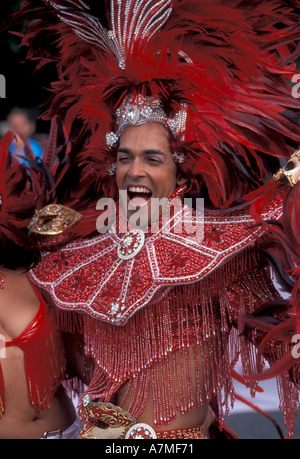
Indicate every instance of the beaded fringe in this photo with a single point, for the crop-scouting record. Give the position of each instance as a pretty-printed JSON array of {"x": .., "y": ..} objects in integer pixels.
[{"x": 195, "y": 326}]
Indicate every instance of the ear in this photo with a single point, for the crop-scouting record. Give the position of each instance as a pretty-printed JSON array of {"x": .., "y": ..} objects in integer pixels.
[{"x": 181, "y": 180}]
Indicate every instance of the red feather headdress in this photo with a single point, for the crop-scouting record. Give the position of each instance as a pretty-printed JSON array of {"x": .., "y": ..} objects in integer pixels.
[{"x": 230, "y": 62}]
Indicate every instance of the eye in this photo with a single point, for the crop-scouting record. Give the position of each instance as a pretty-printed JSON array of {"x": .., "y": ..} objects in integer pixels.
[
  {"x": 123, "y": 158},
  {"x": 154, "y": 160}
]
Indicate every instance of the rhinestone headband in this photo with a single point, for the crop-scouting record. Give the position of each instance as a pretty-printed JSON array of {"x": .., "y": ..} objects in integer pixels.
[{"x": 142, "y": 110}]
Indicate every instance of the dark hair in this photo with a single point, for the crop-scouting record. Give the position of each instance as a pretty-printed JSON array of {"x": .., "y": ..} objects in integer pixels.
[{"x": 16, "y": 257}]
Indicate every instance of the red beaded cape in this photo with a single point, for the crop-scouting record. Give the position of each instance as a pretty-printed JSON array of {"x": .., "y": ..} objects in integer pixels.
[
  {"x": 182, "y": 305},
  {"x": 90, "y": 275}
]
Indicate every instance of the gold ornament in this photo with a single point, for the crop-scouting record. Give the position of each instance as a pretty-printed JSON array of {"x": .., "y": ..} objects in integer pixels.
[
  {"x": 105, "y": 421},
  {"x": 287, "y": 173},
  {"x": 53, "y": 219}
]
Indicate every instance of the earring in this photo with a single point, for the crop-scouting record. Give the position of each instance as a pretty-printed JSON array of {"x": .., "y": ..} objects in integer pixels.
[{"x": 111, "y": 169}]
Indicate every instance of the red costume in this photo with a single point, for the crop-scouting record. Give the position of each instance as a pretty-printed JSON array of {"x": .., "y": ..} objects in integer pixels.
[{"x": 210, "y": 73}]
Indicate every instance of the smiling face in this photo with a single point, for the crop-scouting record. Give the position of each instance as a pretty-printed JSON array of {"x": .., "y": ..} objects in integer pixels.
[{"x": 145, "y": 166}]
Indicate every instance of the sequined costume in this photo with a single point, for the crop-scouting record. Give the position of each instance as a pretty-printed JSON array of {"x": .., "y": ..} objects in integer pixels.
[
  {"x": 211, "y": 75},
  {"x": 174, "y": 303}
]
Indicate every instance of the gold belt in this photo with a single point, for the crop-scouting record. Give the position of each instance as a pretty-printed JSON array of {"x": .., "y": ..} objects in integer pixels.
[{"x": 108, "y": 421}]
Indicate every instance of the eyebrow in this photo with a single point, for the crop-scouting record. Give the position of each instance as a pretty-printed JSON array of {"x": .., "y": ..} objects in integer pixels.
[{"x": 145, "y": 152}]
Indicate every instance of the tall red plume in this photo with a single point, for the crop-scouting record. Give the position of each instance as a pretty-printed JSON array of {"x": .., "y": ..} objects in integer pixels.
[{"x": 229, "y": 61}]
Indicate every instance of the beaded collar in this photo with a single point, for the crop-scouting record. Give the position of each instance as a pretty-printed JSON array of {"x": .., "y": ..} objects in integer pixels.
[{"x": 111, "y": 276}]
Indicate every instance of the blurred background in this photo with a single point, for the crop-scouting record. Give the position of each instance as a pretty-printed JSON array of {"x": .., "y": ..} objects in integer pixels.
[{"x": 26, "y": 91}]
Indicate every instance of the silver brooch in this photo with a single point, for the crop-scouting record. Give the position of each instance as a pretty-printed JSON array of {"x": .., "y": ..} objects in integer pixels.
[
  {"x": 140, "y": 431},
  {"x": 131, "y": 244}
]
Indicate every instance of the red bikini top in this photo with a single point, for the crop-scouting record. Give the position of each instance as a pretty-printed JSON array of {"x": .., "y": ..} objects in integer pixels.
[
  {"x": 32, "y": 327},
  {"x": 44, "y": 358}
]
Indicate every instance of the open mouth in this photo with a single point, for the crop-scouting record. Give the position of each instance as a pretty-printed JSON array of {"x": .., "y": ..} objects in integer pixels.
[{"x": 138, "y": 195}]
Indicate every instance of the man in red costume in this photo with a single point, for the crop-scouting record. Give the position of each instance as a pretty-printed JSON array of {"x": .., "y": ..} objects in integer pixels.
[{"x": 171, "y": 100}]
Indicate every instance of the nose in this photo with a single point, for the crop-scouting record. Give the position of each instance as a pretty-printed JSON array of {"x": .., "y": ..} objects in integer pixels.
[{"x": 136, "y": 169}]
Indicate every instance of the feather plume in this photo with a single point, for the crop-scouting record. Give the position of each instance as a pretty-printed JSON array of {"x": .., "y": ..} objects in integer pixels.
[{"x": 230, "y": 62}]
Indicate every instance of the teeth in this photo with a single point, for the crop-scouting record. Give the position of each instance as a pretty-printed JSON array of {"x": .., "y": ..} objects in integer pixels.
[{"x": 138, "y": 189}]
